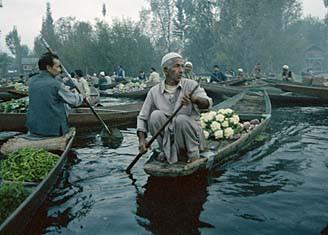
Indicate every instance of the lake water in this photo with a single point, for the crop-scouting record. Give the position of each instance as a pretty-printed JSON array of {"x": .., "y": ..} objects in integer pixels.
[{"x": 279, "y": 187}]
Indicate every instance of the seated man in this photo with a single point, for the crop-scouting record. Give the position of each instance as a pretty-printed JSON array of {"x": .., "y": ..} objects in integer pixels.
[
  {"x": 183, "y": 136},
  {"x": 142, "y": 76},
  {"x": 286, "y": 73},
  {"x": 46, "y": 115},
  {"x": 82, "y": 84},
  {"x": 154, "y": 77},
  {"x": 217, "y": 75},
  {"x": 188, "y": 73}
]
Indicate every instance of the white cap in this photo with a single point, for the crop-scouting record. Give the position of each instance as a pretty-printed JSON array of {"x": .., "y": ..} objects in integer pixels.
[
  {"x": 95, "y": 75},
  {"x": 285, "y": 66},
  {"x": 188, "y": 63},
  {"x": 169, "y": 56},
  {"x": 240, "y": 70},
  {"x": 102, "y": 73}
]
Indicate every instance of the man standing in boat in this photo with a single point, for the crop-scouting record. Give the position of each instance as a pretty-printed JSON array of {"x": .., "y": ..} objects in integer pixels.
[
  {"x": 47, "y": 115},
  {"x": 182, "y": 137}
]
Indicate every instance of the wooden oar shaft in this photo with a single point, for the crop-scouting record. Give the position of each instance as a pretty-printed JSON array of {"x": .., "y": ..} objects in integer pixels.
[
  {"x": 148, "y": 144},
  {"x": 45, "y": 43}
]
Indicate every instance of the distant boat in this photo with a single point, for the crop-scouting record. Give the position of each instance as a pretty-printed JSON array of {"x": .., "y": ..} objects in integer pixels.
[
  {"x": 314, "y": 91},
  {"x": 277, "y": 96},
  {"x": 81, "y": 118}
]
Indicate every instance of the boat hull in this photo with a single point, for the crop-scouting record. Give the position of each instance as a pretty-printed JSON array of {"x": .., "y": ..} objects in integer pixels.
[
  {"x": 81, "y": 118},
  {"x": 17, "y": 222},
  {"x": 223, "y": 151}
]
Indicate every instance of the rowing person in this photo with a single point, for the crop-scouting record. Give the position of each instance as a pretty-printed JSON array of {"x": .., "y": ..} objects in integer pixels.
[
  {"x": 183, "y": 137},
  {"x": 47, "y": 114}
]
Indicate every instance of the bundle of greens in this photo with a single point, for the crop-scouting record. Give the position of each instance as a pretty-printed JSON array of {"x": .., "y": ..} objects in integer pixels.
[
  {"x": 27, "y": 164},
  {"x": 11, "y": 195},
  {"x": 14, "y": 106}
]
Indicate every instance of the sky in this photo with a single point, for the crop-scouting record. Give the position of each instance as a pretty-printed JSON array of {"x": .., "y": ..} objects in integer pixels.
[{"x": 27, "y": 15}]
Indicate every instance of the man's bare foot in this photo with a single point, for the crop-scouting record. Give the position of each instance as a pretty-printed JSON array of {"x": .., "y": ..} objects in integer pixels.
[{"x": 161, "y": 157}]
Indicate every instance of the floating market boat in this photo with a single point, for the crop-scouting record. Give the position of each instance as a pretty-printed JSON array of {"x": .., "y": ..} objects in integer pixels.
[
  {"x": 110, "y": 86},
  {"x": 277, "y": 96},
  {"x": 313, "y": 91},
  {"x": 137, "y": 94},
  {"x": 81, "y": 118},
  {"x": 9, "y": 93},
  {"x": 19, "y": 219},
  {"x": 249, "y": 106}
]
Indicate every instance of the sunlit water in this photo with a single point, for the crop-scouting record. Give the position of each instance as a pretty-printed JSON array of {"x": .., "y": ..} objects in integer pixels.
[{"x": 279, "y": 187}]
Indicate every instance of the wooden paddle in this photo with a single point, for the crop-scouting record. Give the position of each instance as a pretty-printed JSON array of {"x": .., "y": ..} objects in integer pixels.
[
  {"x": 148, "y": 144},
  {"x": 86, "y": 100}
]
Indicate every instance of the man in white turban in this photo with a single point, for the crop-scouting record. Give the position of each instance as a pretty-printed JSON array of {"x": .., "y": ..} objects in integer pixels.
[
  {"x": 286, "y": 73},
  {"x": 188, "y": 73},
  {"x": 183, "y": 137}
]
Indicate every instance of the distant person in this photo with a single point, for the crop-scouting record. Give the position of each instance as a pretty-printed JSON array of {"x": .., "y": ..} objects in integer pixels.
[
  {"x": 142, "y": 76},
  {"x": 240, "y": 74},
  {"x": 286, "y": 74},
  {"x": 188, "y": 73},
  {"x": 257, "y": 70},
  {"x": 217, "y": 75},
  {"x": 154, "y": 77},
  {"x": 120, "y": 74},
  {"x": 82, "y": 84},
  {"x": 102, "y": 80},
  {"x": 230, "y": 73},
  {"x": 109, "y": 79},
  {"x": 47, "y": 114}
]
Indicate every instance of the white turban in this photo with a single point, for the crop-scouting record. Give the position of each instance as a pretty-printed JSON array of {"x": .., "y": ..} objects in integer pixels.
[
  {"x": 188, "y": 63},
  {"x": 240, "y": 70},
  {"x": 169, "y": 56},
  {"x": 102, "y": 73},
  {"x": 285, "y": 66}
]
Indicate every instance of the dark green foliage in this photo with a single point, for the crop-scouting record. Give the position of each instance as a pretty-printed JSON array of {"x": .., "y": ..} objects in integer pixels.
[
  {"x": 231, "y": 33},
  {"x": 11, "y": 195},
  {"x": 13, "y": 42}
]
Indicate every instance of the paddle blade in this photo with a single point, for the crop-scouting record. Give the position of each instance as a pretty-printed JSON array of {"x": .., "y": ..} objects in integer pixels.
[{"x": 112, "y": 141}]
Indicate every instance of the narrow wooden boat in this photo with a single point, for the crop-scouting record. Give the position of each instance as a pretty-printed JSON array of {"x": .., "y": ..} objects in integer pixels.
[
  {"x": 277, "y": 96},
  {"x": 114, "y": 116},
  {"x": 17, "y": 222},
  {"x": 110, "y": 86},
  {"x": 249, "y": 106},
  {"x": 313, "y": 91},
  {"x": 12, "y": 93},
  {"x": 140, "y": 94}
]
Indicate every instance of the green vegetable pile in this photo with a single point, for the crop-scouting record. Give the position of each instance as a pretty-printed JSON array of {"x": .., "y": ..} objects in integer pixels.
[
  {"x": 21, "y": 87},
  {"x": 27, "y": 164},
  {"x": 14, "y": 106},
  {"x": 11, "y": 195}
]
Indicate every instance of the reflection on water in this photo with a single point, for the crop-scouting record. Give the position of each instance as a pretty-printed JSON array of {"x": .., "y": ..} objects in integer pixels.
[{"x": 173, "y": 205}]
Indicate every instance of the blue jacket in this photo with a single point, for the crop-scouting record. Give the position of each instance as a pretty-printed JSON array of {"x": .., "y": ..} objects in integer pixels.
[
  {"x": 46, "y": 113},
  {"x": 218, "y": 77}
]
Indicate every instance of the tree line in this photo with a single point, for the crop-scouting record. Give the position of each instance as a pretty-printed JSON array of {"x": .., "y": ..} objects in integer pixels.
[{"x": 230, "y": 33}]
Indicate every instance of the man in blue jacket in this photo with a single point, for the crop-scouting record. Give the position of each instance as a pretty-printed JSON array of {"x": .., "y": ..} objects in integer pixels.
[
  {"x": 217, "y": 75},
  {"x": 47, "y": 115}
]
